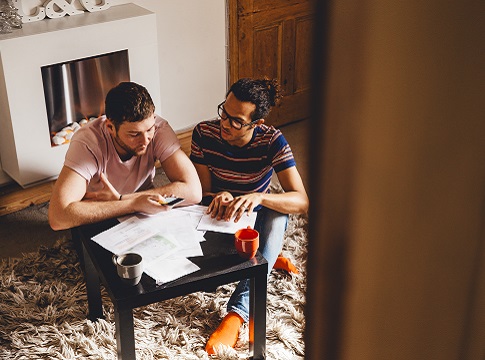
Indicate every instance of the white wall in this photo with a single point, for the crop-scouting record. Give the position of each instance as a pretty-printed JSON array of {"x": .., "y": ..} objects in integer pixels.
[{"x": 192, "y": 58}]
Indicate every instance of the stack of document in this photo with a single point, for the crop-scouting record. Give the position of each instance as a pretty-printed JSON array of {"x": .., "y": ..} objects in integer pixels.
[{"x": 167, "y": 239}]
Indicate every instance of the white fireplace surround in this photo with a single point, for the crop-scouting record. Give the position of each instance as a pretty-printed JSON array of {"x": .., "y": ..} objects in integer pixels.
[{"x": 25, "y": 145}]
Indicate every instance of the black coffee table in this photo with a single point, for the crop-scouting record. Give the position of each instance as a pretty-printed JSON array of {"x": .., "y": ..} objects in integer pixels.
[{"x": 220, "y": 265}]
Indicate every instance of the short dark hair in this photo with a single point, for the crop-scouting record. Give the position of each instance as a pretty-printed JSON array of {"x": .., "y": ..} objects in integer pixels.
[
  {"x": 128, "y": 102},
  {"x": 264, "y": 93}
]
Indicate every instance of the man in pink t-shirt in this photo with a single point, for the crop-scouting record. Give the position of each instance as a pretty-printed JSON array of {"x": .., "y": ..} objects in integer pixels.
[{"x": 109, "y": 166}]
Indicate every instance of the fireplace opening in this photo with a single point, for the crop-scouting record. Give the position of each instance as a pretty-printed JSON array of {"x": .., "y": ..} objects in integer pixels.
[{"x": 74, "y": 91}]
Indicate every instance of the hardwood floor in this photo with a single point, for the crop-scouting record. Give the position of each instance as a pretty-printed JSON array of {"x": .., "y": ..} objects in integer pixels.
[{"x": 14, "y": 198}]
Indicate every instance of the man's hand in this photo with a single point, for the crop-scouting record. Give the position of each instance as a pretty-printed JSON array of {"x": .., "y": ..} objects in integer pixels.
[
  {"x": 107, "y": 193},
  {"x": 218, "y": 205},
  {"x": 225, "y": 207},
  {"x": 241, "y": 204},
  {"x": 148, "y": 204}
]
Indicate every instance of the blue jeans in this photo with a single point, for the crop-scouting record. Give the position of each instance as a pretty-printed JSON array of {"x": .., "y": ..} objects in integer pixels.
[{"x": 271, "y": 226}]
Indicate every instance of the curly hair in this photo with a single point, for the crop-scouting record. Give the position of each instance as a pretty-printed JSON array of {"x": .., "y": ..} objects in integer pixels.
[
  {"x": 128, "y": 102},
  {"x": 264, "y": 93}
]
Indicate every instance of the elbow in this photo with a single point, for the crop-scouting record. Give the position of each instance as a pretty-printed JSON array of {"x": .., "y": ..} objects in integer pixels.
[
  {"x": 305, "y": 204},
  {"x": 302, "y": 210},
  {"x": 197, "y": 200},
  {"x": 192, "y": 193},
  {"x": 196, "y": 195},
  {"x": 199, "y": 195},
  {"x": 55, "y": 223}
]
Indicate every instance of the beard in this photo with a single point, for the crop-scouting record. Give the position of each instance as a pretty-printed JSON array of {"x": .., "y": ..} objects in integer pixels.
[{"x": 129, "y": 150}]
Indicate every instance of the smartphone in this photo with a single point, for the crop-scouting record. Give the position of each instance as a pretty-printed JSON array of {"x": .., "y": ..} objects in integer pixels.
[{"x": 171, "y": 201}]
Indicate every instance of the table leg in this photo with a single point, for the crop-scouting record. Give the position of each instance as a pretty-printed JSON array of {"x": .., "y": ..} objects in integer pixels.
[
  {"x": 93, "y": 288},
  {"x": 125, "y": 334},
  {"x": 257, "y": 316}
]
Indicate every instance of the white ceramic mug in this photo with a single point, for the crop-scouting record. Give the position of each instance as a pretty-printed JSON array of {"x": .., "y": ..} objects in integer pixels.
[{"x": 129, "y": 267}]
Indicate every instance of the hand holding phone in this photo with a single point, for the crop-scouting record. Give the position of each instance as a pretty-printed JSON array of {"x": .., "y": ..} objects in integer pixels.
[{"x": 170, "y": 201}]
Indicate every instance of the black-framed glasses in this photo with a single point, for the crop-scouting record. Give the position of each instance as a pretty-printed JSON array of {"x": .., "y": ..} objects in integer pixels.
[{"x": 234, "y": 122}]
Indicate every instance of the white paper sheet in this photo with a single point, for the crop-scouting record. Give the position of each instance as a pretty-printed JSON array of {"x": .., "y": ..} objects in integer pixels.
[
  {"x": 164, "y": 242},
  {"x": 181, "y": 225},
  {"x": 124, "y": 236},
  {"x": 169, "y": 269},
  {"x": 207, "y": 223},
  {"x": 156, "y": 247}
]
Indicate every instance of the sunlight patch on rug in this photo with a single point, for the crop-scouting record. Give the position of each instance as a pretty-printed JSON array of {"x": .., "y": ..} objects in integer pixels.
[{"x": 43, "y": 307}]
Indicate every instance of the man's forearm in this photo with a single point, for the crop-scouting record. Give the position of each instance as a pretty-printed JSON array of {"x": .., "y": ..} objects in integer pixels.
[
  {"x": 286, "y": 203},
  {"x": 191, "y": 192},
  {"x": 88, "y": 212}
]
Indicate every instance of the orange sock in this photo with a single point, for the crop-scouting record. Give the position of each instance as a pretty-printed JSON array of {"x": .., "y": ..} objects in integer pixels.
[
  {"x": 285, "y": 264},
  {"x": 226, "y": 333}
]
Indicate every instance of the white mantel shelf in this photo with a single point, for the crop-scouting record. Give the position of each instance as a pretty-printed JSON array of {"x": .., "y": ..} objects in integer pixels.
[
  {"x": 119, "y": 12},
  {"x": 26, "y": 153}
]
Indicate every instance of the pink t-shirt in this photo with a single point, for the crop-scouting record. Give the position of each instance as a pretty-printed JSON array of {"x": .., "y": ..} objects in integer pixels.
[{"x": 92, "y": 152}]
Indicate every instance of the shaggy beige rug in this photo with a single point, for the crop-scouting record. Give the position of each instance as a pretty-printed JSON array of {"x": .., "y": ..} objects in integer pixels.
[{"x": 43, "y": 308}]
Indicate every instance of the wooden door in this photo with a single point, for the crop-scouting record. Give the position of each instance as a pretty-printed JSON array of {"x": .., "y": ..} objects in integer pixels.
[{"x": 272, "y": 38}]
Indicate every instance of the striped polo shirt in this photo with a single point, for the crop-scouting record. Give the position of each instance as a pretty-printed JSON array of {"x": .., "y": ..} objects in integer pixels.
[{"x": 240, "y": 170}]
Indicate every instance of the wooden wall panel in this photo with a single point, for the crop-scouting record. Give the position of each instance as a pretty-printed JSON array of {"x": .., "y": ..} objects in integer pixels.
[
  {"x": 267, "y": 52},
  {"x": 272, "y": 39},
  {"x": 303, "y": 53}
]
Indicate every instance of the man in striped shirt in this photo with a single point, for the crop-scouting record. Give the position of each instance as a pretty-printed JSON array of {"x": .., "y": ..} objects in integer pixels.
[{"x": 235, "y": 156}]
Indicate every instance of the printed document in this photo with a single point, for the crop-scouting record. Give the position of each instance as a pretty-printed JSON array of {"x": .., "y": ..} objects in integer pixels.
[
  {"x": 164, "y": 252},
  {"x": 207, "y": 223},
  {"x": 167, "y": 239}
]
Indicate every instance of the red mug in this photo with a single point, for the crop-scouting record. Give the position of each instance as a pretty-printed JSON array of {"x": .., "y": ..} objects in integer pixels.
[{"x": 246, "y": 242}]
